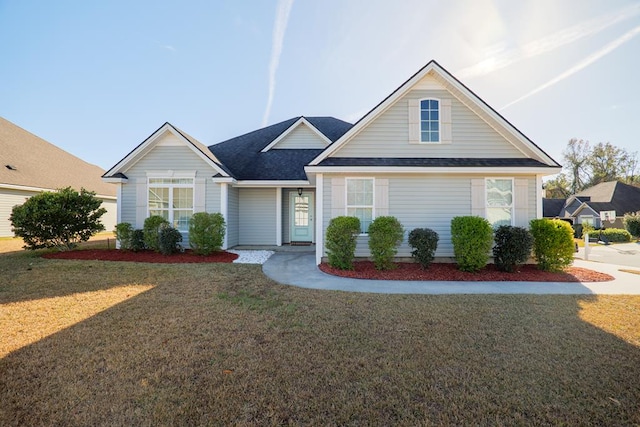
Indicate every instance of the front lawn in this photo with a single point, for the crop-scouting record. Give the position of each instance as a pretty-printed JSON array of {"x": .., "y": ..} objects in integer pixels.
[{"x": 219, "y": 344}]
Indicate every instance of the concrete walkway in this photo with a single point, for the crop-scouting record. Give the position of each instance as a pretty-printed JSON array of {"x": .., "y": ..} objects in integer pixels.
[{"x": 299, "y": 269}]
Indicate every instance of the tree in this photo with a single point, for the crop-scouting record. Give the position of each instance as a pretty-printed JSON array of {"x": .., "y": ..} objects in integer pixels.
[
  {"x": 575, "y": 157},
  {"x": 558, "y": 188},
  {"x": 57, "y": 219}
]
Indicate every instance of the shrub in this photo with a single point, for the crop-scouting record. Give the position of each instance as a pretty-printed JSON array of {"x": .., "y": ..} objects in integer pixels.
[
  {"x": 124, "y": 234},
  {"x": 169, "y": 239},
  {"x": 206, "y": 232},
  {"x": 512, "y": 247},
  {"x": 57, "y": 219},
  {"x": 616, "y": 235},
  {"x": 341, "y": 238},
  {"x": 424, "y": 242},
  {"x": 137, "y": 240},
  {"x": 587, "y": 229},
  {"x": 471, "y": 237},
  {"x": 151, "y": 231},
  {"x": 631, "y": 222},
  {"x": 385, "y": 235},
  {"x": 553, "y": 245}
]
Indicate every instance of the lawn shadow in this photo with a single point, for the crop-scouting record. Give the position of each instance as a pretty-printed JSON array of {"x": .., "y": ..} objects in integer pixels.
[{"x": 192, "y": 351}]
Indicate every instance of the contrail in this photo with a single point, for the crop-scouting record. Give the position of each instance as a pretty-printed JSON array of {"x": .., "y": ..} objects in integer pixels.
[
  {"x": 280, "y": 26},
  {"x": 581, "y": 65},
  {"x": 548, "y": 43}
]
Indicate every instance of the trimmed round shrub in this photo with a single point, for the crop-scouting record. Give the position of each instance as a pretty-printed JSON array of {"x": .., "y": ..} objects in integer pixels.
[
  {"x": 631, "y": 222},
  {"x": 137, "y": 240},
  {"x": 512, "y": 247},
  {"x": 472, "y": 237},
  {"x": 385, "y": 235},
  {"x": 615, "y": 235},
  {"x": 553, "y": 245},
  {"x": 206, "y": 232},
  {"x": 169, "y": 239},
  {"x": 341, "y": 236},
  {"x": 151, "y": 231},
  {"x": 424, "y": 242}
]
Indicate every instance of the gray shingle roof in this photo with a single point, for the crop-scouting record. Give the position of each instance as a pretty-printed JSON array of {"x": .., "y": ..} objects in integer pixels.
[
  {"x": 612, "y": 195},
  {"x": 552, "y": 208},
  {"x": 430, "y": 162},
  {"x": 243, "y": 157}
]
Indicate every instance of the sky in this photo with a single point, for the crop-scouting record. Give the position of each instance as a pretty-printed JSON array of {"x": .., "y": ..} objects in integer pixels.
[{"x": 97, "y": 78}]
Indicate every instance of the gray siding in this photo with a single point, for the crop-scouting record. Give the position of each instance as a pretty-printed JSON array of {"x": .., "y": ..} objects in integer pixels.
[
  {"x": 257, "y": 216},
  {"x": 128, "y": 201},
  {"x": 233, "y": 218},
  {"x": 388, "y": 135},
  {"x": 8, "y": 199},
  {"x": 301, "y": 137},
  {"x": 425, "y": 201}
]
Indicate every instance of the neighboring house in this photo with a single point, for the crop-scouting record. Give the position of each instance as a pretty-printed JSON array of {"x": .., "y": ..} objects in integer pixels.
[
  {"x": 429, "y": 151},
  {"x": 586, "y": 206},
  {"x": 30, "y": 165}
]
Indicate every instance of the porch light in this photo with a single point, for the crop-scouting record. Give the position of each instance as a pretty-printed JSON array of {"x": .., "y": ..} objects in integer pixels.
[{"x": 299, "y": 191}]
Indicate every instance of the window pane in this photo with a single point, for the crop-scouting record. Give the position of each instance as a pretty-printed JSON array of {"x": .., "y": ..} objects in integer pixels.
[
  {"x": 181, "y": 219},
  {"x": 499, "y": 216},
  {"x": 435, "y": 126},
  {"x": 499, "y": 192},
  {"x": 433, "y": 115},
  {"x": 433, "y": 104},
  {"x": 183, "y": 198},
  {"x": 434, "y": 137},
  {"x": 424, "y": 104},
  {"x": 163, "y": 213},
  {"x": 425, "y": 137},
  {"x": 158, "y": 198}
]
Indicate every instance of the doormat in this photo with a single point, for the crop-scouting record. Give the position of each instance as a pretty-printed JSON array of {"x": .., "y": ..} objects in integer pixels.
[{"x": 300, "y": 243}]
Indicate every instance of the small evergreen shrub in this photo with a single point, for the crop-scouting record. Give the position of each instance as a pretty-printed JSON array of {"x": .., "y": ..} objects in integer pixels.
[
  {"x": 553, "y": 245},
  {"x": 137, "y": 240},
  {"x": 424, "y": 242},
  {"x": 206, "y": 232},
  {"x": 615, "y": 235},
  {"x": 169, "y": 239},
  {"x": 471, "y": 237},
  {"x": 341, "y": 236},
  {"x": 631, "y": 222},
  {"x": 151, "y": 230},
  {"x": 385, "y": 235},
  {"x": 587, "y": 229},
  {"x": 512, "y": 247},
  {"x": 124, "y": 234}
]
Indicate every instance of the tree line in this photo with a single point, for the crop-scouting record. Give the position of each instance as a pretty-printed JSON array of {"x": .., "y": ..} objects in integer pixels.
[{"x": 586, "y": 165}]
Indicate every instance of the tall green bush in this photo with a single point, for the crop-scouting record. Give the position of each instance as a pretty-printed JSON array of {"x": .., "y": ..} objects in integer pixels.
[
  {"x": 57, "y": 219},
  {"x": 512, "y": 247},
  {"x": 385, "y": 235},
  {"x": 124, "y": 235},
  {"x": 169, "y": 239},
  {"x": 471, "y": 237},
  {"x": 341, "y": 236},
  {"x": 631, "y": 222},
  {"x": 206, "y": 232},
  {"x": 424, "y": 242},
  {"x": 151, "y": 231},
  {"x": 553, "y": 245}
]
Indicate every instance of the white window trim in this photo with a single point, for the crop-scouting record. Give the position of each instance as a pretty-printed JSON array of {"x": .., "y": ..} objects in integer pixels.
[
  {"x": 439, "y": 141},
  {"x": 513, "y": 196},
  {"x": 346, "y": 198},
  {"x": 170, "y": 210}
]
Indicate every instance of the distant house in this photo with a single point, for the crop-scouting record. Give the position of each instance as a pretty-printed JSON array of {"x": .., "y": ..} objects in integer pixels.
[
  {"x": 30, "y": 165},
  {"x": 587, "y": 206},
  {"x": 429, "y": 151}
]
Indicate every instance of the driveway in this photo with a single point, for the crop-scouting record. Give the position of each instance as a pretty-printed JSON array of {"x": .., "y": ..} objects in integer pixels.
[{"x": 619, "y": 254}]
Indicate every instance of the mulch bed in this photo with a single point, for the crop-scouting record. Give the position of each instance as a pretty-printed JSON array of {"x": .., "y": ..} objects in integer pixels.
[
  {"x": 450, "y": 272},
  {"x": 143, "y": 256}
]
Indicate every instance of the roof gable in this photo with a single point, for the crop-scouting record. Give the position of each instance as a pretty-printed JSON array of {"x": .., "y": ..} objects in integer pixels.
[
  {"x": 300, "y": 135},
  {"x": 612, "y": 195},
  {"x": 167, "y": 134},
  {"x": 434, "y": 77}
]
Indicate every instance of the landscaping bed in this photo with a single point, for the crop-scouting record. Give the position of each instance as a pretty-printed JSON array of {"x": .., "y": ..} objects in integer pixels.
[
  {"x": 450, "y": 272},
  {"x": 188, "y": 256}
]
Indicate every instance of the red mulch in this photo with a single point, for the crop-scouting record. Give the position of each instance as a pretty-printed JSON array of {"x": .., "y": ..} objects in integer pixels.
[
  {"x": 143, "y": 256},
  {"x": 450, "y": 272}
]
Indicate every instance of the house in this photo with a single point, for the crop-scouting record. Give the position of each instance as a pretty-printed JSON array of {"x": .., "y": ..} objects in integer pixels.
[
  {"x": 429, "y": 151},
  {"x": 612, "y": 198},
  {"x": 30, "y": 165}
]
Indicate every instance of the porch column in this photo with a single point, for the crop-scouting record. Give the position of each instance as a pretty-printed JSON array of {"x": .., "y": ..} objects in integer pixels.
[
  {"x": 539, "y": 196},
  {"x": 319, "y": 218},
  {"x": 278, "y": 216},
  {"x": 224, "y": 209}
]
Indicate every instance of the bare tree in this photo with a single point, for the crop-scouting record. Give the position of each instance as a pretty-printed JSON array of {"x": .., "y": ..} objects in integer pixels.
[{"x": 576, "y": 157}]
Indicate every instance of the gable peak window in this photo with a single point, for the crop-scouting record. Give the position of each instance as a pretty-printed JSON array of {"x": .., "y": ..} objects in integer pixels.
[{"x": 429, "y": 120}]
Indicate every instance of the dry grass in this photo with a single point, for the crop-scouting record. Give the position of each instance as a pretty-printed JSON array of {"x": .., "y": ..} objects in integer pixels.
[{"x": 220, "y": 344}]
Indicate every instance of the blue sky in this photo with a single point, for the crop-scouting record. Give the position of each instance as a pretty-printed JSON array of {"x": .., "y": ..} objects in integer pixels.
[{"x": 97, "y": 78}]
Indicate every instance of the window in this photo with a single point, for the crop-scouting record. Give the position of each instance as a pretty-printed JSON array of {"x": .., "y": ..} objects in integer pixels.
[
  {"x": 429, "y": 120},
  {"x": 499, "y": 201},
  {"x": 172, "y": 199},
  {"x": 587, "y": 220},
  {"x": 360, "y": 200}
]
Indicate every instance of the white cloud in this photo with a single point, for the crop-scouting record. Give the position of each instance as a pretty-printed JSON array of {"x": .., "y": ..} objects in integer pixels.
[
  {"x": 498, "y": 59},
  {"x": 279, "y": 28},
  {"x": 581, "y": 65}
]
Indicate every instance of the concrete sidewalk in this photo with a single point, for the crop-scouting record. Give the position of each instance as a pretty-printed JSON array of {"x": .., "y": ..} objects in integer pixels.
[{"x": 299, "y": 269}]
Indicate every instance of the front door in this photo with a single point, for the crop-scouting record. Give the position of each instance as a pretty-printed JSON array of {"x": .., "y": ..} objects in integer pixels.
[{"x": 301, "y": 217}]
